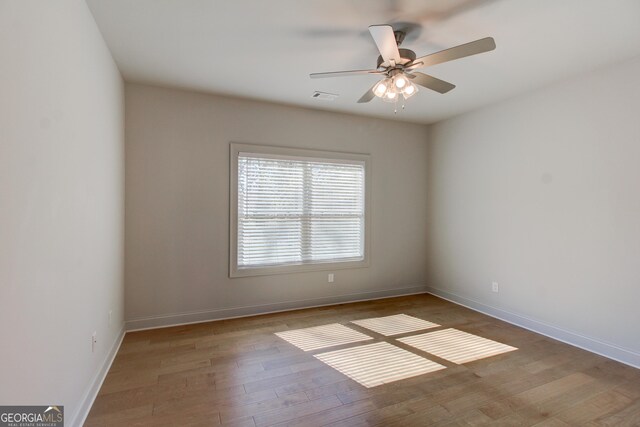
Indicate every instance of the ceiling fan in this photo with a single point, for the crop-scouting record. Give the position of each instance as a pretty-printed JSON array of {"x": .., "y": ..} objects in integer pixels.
[{"x": 398, "y": 65}]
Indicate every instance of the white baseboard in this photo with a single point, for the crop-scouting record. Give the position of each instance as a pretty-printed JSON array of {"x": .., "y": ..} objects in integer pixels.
[
  {"x": 234, "y": 312},
  {"x": 593, "y": 345},
  {"x": 98, "y": 379}
]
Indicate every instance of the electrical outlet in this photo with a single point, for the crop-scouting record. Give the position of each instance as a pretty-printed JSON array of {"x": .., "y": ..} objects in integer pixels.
[
  {"x": 330, "y": 278},
  {"x": 495, "y": 287},
  {"x": 94, "y": 341},
  {"x": 110, "y": 316}
]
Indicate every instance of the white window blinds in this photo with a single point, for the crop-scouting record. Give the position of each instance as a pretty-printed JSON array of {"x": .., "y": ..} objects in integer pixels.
[{"x": 294, "y": 210}]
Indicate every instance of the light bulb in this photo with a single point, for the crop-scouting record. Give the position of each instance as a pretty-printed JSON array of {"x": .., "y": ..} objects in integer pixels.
[
  {"x": 391, "y": 95},
  {"x": 400, "y": 81},
  {"x": 380, "y": 89},
  {"x": 409, "y": 90}
]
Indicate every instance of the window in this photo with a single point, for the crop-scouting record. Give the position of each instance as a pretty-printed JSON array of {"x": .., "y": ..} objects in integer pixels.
[{"x": 296, "y": 210}]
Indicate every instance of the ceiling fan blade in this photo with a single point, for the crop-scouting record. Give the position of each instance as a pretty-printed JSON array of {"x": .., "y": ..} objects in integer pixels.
[
  {"x": 386, "y": 42},
  {"x": 342, "y": 73},
  {"x": 431, "y": 82},
  {"x": 464, "y": 50},
  {"x": 368, "y": 95}
]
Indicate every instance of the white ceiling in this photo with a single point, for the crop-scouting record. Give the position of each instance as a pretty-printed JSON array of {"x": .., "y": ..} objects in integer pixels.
[{"x": 266, "y": 49}]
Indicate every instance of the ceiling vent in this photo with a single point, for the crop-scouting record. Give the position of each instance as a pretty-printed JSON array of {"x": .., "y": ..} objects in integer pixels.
[{"x": 324, "y": 96}]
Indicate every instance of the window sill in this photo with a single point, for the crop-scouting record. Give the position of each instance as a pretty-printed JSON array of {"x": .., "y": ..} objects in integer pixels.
[{"x": 296, "y": 268}]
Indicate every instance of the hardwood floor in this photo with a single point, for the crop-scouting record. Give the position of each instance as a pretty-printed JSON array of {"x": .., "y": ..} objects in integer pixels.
[{"x": 238, "y": 373}]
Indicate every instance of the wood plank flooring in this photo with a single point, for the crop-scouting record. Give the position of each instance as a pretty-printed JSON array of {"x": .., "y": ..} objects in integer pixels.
[{"x": 238, "y": 373}]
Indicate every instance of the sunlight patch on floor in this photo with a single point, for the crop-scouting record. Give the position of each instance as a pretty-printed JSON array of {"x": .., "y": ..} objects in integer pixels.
[
  {"x": 317, "y": 337},
  {"x": 456, "y": 346},
  {"x": 376, "y": 364},
  {"x": 395, "y": 325}
]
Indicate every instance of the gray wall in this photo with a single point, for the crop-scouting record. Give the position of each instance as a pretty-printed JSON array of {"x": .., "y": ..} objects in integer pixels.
[
  {"x": 177, "y": 205},
  {"x": 542, "y": 194},
  {"x": 61, "y": 204}
]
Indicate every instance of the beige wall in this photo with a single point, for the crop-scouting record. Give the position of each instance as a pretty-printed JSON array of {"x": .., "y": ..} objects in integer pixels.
[
  {"x": 177, "y": 205},
  {"x": 542, "y": 194},
  {"x": 61, "y": 204}
]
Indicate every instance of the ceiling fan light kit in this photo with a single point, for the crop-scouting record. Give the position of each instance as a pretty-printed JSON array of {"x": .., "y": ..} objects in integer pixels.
[
  {"x": 391, "y": 88},
  {"x": 398, "y": 66}
]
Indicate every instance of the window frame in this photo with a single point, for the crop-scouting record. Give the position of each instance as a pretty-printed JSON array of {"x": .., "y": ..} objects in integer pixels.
[{"x": 235, "y": 150}]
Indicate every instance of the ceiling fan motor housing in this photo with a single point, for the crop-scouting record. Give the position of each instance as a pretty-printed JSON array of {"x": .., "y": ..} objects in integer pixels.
[{"x": 406, "y": 54}]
